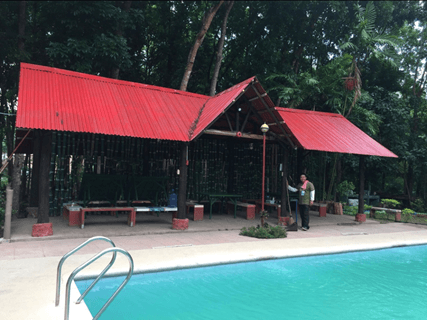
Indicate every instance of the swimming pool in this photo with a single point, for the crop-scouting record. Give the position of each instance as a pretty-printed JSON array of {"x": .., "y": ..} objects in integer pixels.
[{"x": 379, "y": 284}]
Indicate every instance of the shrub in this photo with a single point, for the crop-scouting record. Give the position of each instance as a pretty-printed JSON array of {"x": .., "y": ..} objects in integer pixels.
[
  {"x": 408, "y": 211},
  {"x": 381, "y": 214},
  {"x": 345, "y": 187},
  {"x": 266, "y": 232},
  {"x": 418, "y": 205},
  {"x": 350, "y": 210},
  {"x": 390, "y": 203}
]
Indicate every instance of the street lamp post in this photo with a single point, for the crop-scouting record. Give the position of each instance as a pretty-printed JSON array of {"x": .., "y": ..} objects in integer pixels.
[{"x": 264, "y": 129}]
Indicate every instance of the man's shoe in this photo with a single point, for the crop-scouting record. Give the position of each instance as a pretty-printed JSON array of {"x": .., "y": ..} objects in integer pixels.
[{"x": 304, "y": 229}]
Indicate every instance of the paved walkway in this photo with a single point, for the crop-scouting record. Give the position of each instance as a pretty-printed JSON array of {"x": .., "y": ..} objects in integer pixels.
[{"x": 28, "y": 265}]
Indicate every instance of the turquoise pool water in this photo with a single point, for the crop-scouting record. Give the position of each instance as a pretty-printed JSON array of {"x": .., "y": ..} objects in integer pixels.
[{"x": 380, "y": 284}]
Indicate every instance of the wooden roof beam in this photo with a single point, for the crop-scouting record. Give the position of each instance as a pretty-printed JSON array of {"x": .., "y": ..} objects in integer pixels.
[{"x": 234, "y": 134}]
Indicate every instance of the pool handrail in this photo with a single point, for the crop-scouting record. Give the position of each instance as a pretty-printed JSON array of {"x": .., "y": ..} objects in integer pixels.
[
  {"x": 87, "y": 263},
  {"x": 61, "y": 262}
]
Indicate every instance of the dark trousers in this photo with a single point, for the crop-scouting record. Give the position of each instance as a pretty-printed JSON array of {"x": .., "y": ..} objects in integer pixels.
[{"x": 305, "y": 217}]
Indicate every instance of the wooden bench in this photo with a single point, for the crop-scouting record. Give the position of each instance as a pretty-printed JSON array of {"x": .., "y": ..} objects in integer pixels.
[
  {"x": 321, "y": 207},
  {"x": 83, "y": 211},
  {"x": 397, "y": 213},
  {"x": 71, "y": 212},
  {"x": 198, "y": 209},
  {"x": 250, "y": 209},
  {"x": 157, "y": 210}
]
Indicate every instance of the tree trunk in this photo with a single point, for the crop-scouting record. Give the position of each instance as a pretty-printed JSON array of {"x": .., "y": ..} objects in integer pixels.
[
  {"x": 21, "y": 26},
  {"x": 119, "y": 32},
  {"x": 18, "y": 163},
  {"x": 207, "y": 19},
  {"x": 10, "y": 128},
  {"x": 44, "y": 182},
  {"x": 220, "y": 49}
]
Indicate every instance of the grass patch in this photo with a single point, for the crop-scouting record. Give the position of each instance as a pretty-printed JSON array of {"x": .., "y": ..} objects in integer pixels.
[{"x": 266, "y": 232}]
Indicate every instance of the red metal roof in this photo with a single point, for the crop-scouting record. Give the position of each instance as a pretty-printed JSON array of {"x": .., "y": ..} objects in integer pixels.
[
  {"x": 56, "y": 99},
  {"x": 216, "y": 105},
  {"x": 329, "y": 132}
]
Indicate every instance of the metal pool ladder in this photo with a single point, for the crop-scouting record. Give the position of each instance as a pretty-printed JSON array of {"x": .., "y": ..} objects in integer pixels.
[{"x": 114, "y": 250}]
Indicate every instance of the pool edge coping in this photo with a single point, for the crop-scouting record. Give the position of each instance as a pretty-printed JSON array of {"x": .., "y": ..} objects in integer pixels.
[{"x": 315, "y": 251}]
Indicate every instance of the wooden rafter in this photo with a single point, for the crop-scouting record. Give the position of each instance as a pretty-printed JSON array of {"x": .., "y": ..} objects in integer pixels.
[
  {"x": 233, "y": 134},
  {"x": 273, "y": 116}
]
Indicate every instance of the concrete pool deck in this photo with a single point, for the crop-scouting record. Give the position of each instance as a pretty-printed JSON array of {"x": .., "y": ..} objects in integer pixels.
[{"x": 28, "y": 265}]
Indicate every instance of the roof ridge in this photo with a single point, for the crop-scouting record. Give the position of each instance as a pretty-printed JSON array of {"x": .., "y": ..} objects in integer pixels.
[{"x": 320, "y": 113}]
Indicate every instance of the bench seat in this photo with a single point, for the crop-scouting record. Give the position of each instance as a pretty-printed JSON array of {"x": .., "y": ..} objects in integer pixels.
[
  {"x": 250, "y": 208},
  {"x": 157, "y": 210},
  {"x": 198, "y": 209},
  {"x": 321, "y": 207},
  {"x": 397, "y": 213},
  {"x": 131, "y": 216}
]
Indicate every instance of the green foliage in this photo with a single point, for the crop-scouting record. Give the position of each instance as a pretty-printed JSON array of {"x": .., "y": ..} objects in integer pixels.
[
  {"x": 390, "y": 203},
  {"x": 350, "y": 210},
  {"x": 407, "y": 211},
  {"x": 418, "y": 205},
  {"x": 345, "y": 187},
  {"x": 4, "y": 180},
  {"x": 381, "y": 214},
  {"x": 353, "y": 210},
  {"x": 266, "y": 232}
]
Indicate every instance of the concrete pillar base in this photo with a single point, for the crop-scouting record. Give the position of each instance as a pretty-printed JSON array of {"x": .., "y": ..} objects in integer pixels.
[
  {"x": 180, "y": 224},
  {"x": 42, "y": 230},
  {"x": 361, "y": 217}
]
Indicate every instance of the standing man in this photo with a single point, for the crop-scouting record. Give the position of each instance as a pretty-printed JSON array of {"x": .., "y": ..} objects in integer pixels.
[{"x": 306, "y": 197}]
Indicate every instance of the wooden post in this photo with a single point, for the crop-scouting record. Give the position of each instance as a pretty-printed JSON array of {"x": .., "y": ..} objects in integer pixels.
[
  {"x": 284, "y": 209},
  {"x": 182, "y": 189},
  {"x": 361, "y": 183},
  {"x": 45, "y": 153}
]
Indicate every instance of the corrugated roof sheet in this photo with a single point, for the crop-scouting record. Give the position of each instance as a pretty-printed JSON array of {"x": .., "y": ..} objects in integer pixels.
[
  {"x": 330, "y": 132},
  {"x": 56, "y": 99}
]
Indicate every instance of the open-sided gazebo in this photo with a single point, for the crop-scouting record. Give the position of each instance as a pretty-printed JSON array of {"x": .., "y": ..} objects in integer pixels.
[{"x": 107, "y": 118}]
